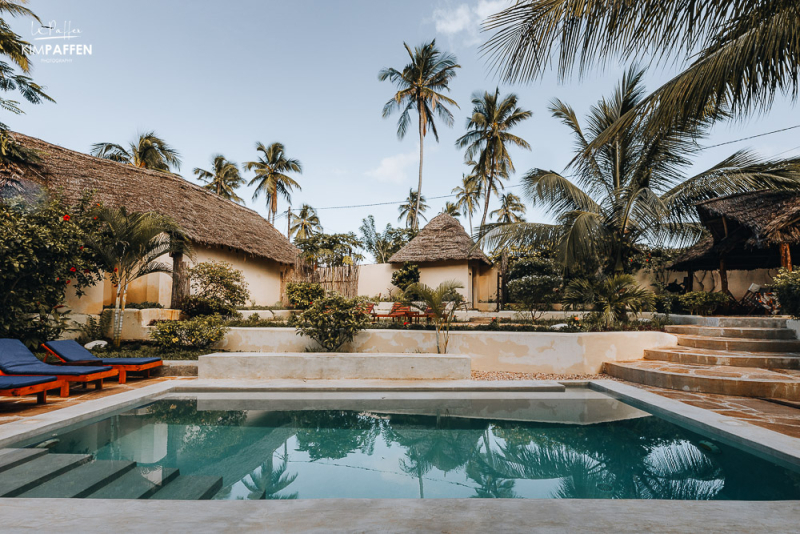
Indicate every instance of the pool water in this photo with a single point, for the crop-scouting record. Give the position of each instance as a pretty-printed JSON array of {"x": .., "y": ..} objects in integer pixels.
[{"x": 592, "y": 447}]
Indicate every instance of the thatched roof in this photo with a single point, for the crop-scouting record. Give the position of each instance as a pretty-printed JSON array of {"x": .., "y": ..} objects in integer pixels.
[
  {"x": 699, "y": 257},
  {"x": 442, "y": 239},
  {"x": 206, "y": 218}
]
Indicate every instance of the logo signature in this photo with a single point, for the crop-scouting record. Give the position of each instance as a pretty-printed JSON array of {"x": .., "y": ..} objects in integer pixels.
[{"x": 60, "y": 51}]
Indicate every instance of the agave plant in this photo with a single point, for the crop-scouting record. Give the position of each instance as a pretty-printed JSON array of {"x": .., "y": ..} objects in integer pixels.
[{"x": 611, "y": 298}]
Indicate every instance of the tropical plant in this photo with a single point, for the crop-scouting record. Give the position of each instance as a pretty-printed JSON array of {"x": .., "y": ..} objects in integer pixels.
[
  {"x": 439, "y": 304},
  {"x": 468, "y": 196},
  {"x": 419, "y": 87},
  {"x": 535, "y": 285},
  {"x": 611, "y": 298},
  {"x": 488, "y": 138},
  {"x": 148, "y": 152},
  {"x": 219, "y": 289},
  {"x": 198, "y": 332},
  {"x": 131, "y": 247},
  {"x": 511, "y": 209},
  {"x": 267, "y": 481},
  {"x": 633, "y": 189},
  {"x": 330, "y": 250},
  {"x": 305, "y": 223},
  {"x": 43, "y": 253},
  {"x": 735, "y": 55},
  {"x": 412, "y": 210},
  {"x": 223, "y": 179},
  {"x": 704, "y": 302},
  {"x": 333, "y": 320},
  {"x": 405, "y": 276},
  {"x": 301, "y": 295},
  {"x": 383, "y": 245},
  {"x": 272, "y": 168},
  {"x": 787, "y": 288},
  {"x": 451, "y": 209}
]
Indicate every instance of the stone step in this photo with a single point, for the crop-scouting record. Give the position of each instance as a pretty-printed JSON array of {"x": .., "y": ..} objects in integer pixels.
[
  {"x": 10, "y": 458},
  {"x": 733, "y": 332},
  {"x": 690, "y": 355},
  {"x": 139, "y": 483},
  {"x": 30, "y": 474},
  {"x": 738, "y": 381},
  {"x": 739, "y": 344},
  {"x": 189, "y": 488},
  {"x": 81, "y": 481},
  {"x": 733, "y": 322}
]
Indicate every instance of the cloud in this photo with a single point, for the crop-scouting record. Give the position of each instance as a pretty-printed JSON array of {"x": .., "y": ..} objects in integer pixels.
[
  {"x": 464, "y": 20},
  {"x": 393, "y": 169}
]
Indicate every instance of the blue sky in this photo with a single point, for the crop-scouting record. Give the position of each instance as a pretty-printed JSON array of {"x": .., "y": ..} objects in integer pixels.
[{"x": 215, "y": 77}]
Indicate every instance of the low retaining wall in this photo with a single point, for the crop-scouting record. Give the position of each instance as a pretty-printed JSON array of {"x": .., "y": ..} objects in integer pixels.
[
  {"x": 334, "y": 366},
  {"x": 524, "y": 352}
]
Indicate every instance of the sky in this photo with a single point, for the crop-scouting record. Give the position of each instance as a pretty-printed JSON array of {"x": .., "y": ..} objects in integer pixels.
[{"x": 216, "y": 77}]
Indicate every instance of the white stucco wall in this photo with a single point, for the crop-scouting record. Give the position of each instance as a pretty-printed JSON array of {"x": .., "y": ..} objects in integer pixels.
[
  {"x": 738, "y": 281},
  {"x": 376, "y": 279}
]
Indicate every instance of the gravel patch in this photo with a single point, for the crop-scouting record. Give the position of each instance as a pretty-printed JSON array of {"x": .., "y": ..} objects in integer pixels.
[{"x": 502, "y": 375}]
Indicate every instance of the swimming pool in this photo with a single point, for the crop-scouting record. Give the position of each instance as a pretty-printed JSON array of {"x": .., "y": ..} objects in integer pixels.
[{"x": 578, "y": 444}]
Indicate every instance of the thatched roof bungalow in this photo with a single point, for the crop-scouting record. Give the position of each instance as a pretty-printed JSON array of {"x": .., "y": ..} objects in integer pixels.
[
  {"x": 219, "y": 229},
  {"x": 444, "y": 251},
  {"x": 747, "y": 231}
]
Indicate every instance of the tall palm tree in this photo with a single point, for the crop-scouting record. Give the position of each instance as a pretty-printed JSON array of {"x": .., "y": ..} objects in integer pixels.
[
  {"x": 305, "y": 223},
  {"x": 271, "y": 170},
  {"x": 511, "y": 209},
  {"x": 488, "y": 138},
  {"x": 634, "y": 188},
  {"x": 451, "y": 209},
  {"x": 419, "y": 87},
  {"x": 148, "y": 152},
  {"x": 736, "y": 55},
  {"x": 412, "y": 209},
  {"x": 468, "y": 195},
  {"x": 131, "y": 247},
  {"x": 223, "y": 179}
]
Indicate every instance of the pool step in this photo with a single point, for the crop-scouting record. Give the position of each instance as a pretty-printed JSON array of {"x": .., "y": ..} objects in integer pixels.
[
  {"x": 736, "y": 322},
  {"x": 739, "y": 344},
  {"x": 693, "y": 356},
  {"x": 81, "y": 481},
  {"x": 732, "y": 332},
  {"x": 715, "y": 379},
  {"x": 22, "y": 478},
  {"x": 10, "y": 458},
  {"x": 139, "y": 483},
  {"x": 189, "y": 488}
]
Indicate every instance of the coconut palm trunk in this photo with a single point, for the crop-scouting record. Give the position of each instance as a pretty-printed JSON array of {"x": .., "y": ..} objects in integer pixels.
[
  {"x": 119, "y": 312},
  {"x": 419, "y": 183}
]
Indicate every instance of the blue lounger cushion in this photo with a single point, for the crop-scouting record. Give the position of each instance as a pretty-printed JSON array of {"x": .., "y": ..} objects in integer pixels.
[
  {"x": 72, "y": 352},
  {"x": 14, "y": 382},
  {"x": 16, "y": 359}
]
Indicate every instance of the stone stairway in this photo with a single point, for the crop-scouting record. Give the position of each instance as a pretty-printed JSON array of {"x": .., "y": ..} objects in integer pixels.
[
  {"x": 35, "y": 473},
  {"x": 742, "y": 356}
]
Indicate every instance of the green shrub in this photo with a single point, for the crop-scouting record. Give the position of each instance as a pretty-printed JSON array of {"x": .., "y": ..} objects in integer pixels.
[
  {"x": 703, "y": 302},
  {"x": 146, "y": 305},
  {"x": 333, "y": 321},
  {"x": 787, "y": 289},
  {"x": 610, "y": 298},
  {"x": 535, "y": 285},
  {"x": 302, "y": 294},
  {"x": 218, "y": 288},
  {"x": 405, "y": 276},
  {"x": 255, "y": 320},
  {"x": 96, "y": 329},
  {"x": 198, "y": 333},
  {"x": 196, "y": 306}
]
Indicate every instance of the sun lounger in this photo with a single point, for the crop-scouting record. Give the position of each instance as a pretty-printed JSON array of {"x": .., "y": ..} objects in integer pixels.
[
  {"x": 17, "y": 386},
  {"x": 70, "y": 352},
  {"x": 17, "y": 360}
]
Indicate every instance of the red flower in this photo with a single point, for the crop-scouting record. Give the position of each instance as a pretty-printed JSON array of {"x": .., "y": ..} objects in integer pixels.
[
  {"x": 80, "y": 247},
  {"x": 95, "y": 218},
  {"x": 86, "y": 271},
  {"x": 68, "y": 281},
  {"x": 72, "y": 269},
  {"x": 115, "y": 269},
  {"x": 405, "y": 324},
  {"x": 66, "y": 217},
  {"x": 57, "y": 278}
]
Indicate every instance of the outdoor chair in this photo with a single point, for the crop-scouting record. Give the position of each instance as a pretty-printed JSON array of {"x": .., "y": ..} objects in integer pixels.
[
  {"x": 17, "y": 386},
  {"x": 70, "y": 352},
  {"x": 391, "y": 313},
  {"x": 16, "y": 360}
]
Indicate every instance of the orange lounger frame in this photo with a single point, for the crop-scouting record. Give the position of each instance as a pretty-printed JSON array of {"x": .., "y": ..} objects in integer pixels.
[
  {"x": 97, "y": 378},
  {"x": 40, "y": 390},
  {"x": 123, "y": 370}
]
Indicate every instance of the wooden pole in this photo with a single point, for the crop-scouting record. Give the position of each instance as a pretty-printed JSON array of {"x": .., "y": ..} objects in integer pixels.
[
  {"x": 786, "y": 256},
  {"x": 723, "y": 275},
  {"x": 689, "y": 281}
]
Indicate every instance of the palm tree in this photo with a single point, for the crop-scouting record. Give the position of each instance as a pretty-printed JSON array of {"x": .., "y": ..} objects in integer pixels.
[
  {"x": 736, "y": 55},
  {"x": 419, "y": 87},
  {"x": 488, "y": 136},
  {"x": 633, "y": 189},
  {"x": 131, "y": 247},
  {"x": 382, "y": 245},
  {"x": 268, "y": 481},
  {"x": 271, "y": 170},
  {"x": 412, "y": 209},
  {"x": 148, "y": 152},
  {"x": 611, "y": 297},
  {"x": 223, "y": 179},
  {"x": 451, "y": 209},
  {"x": 305, "y": 223},
  {"x": 468, "y": 194},
  {"x": 511, "y": 209},
  {"x": 440, "y": 304}
]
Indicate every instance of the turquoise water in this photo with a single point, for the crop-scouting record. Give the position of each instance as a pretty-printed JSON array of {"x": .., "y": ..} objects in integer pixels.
[{"x": 592, "y": 448}]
